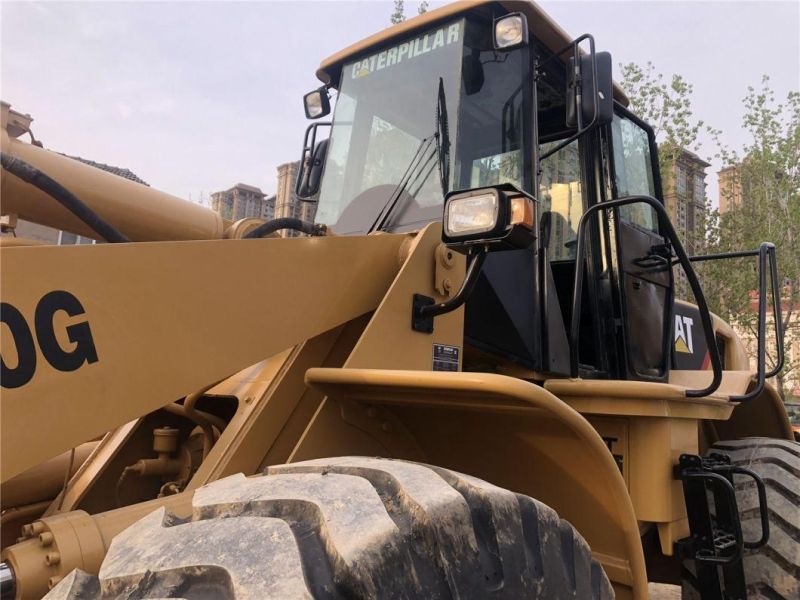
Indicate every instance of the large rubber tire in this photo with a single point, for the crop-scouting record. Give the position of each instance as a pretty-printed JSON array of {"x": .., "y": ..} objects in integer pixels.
[
  {"x": 349, "y": 528},
  {"x": 773, "y": 571}
]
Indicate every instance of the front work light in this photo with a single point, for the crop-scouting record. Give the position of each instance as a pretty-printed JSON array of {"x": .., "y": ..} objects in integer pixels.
[
  {"x": 510, "y": 31},
  {"x": 470, "y": 214},
  {"x": 500, "y": 217},
  {"x": 477, "y": 222},
  {"x": 316, "y": 103}
]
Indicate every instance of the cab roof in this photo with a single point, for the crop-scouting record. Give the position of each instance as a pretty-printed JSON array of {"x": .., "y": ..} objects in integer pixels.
[{"x": 541, "y": 25}]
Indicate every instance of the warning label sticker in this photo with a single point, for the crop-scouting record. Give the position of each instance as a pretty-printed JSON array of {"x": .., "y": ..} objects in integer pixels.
[{"x": 445, "y": 358}]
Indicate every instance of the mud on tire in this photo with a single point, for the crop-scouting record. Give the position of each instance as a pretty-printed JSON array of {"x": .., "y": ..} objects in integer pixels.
[{"x": 349, "y": 528}]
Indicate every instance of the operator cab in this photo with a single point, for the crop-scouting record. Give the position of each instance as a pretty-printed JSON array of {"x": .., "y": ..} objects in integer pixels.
[{"x": 445, "y": 107}]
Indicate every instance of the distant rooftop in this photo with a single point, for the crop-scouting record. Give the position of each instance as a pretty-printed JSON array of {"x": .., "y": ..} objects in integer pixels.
[
  {"x": 694, "y": 157},
  {"x": 249, "y": 188},
  {"x": 18, "y": 124},
  {"x": 119, "y": 171},
  {"x": 243, "y": 186}
]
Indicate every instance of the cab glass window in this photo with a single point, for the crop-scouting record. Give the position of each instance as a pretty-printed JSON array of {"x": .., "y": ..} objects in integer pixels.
[
  {"x": 561, "y": 200},
  {"x": 633, "y": 171}
]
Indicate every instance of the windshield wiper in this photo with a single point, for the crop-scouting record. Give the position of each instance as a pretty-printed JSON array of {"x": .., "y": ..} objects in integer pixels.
[
  {"x": 442, "y": 152},
  {"x": 442, "y": 140},
  {"x": 394, "y": 197}
]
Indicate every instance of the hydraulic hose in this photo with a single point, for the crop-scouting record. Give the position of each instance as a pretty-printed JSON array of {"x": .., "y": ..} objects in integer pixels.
[
  {"x": 63, "y": 196},
  {"x": 286, "y": 223},
  {"x": 205, "y": 424},
  {"x": 206, "y": 421},
  {"x": 178, "y": 409}
]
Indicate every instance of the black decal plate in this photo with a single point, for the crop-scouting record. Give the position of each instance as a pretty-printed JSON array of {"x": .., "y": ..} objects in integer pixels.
[{"x": 445, "y": 358}]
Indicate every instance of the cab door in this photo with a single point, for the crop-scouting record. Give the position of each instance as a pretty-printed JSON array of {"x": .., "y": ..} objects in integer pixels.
[{"x": 641, "y": 257}]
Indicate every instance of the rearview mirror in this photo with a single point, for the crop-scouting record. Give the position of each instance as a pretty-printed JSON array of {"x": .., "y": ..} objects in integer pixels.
[
  {"x": 472, "y": 72},
  {"x": 590, "y": 100},
  {"x": 316, "y": 103},
  {"x": 312, "y": 173},
  {"x": 312, "y": 160}
]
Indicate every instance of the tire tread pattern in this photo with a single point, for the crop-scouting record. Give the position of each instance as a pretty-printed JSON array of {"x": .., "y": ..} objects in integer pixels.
[
  {"x": 350, "y": 527},
  {"x": 771, "y": 572}
]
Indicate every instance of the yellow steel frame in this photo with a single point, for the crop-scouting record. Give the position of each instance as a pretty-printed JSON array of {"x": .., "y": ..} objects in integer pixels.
[{"x": 168, "y": 318}]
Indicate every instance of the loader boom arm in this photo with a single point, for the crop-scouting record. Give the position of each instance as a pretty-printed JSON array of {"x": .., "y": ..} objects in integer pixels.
[
  {"x": 94, "y": 336},
  {"x": 140, "y": 212}
]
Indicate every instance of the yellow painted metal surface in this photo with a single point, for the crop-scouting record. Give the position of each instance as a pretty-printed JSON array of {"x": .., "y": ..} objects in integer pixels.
[
  {"x": 637, "y": 398},
  {"x": 160, "y": 319},
  {"x": 388, "y": 341}
]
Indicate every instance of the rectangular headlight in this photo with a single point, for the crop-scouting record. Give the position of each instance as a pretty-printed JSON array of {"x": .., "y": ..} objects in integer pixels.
[
  {"x": 499, "y": 217},
  {"x": 472, "y": 214},
  {"x": 510, "y": 31}
]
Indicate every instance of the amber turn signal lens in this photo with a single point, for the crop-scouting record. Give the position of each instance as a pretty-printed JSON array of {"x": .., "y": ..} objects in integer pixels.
[{"x": 522, "y": 212}]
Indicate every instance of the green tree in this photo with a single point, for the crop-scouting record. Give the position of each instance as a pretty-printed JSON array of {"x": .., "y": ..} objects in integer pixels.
[
  {"x": 765, "y": 176},
  {"x": 763, "y": 191},
  {"x": 666, "y": 104},
  {"x": 399, "y": 14}
]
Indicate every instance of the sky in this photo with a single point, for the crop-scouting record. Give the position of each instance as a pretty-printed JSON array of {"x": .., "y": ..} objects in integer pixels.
[{"x": 197, "y": 96}]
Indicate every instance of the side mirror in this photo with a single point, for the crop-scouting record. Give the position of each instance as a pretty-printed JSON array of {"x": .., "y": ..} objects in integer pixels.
[
  {"x": 590, "y": 100},
  {"x": 312, "y": 161},
  {"x": 312, "y": 174},
  {"x": 316, "y": 103},
  {"x": 472, "y": 72}
]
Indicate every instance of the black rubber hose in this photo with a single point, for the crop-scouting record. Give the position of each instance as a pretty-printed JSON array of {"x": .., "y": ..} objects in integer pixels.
[
  {"x": 63, "y": 196},
  {"x": 285, "y": 223}
]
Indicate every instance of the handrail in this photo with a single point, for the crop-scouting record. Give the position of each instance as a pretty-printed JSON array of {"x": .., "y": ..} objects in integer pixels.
[
  {"x": 669, "y": 232},
  {"x": 765, "y": 253}
]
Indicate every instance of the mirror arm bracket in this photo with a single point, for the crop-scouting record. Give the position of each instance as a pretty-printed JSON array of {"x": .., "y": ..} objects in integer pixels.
[
  {"x": 307, "y": 157},
  {"x": 577, "y": 80},
  {"x": 424, "y": 308}
]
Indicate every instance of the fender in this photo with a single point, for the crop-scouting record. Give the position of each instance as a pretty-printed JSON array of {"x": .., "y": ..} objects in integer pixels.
[{"x": 509, "y": 431}]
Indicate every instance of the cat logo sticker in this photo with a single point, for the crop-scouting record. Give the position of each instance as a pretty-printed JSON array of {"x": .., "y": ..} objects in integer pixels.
[{"x": 684, "y": 341}]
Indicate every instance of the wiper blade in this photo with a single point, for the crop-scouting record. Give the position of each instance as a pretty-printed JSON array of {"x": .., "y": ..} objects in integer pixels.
[
  {"x": 442, "y": 153},
  {"x": 394, "y": 197},
  {"x": 442, "y": 139}
]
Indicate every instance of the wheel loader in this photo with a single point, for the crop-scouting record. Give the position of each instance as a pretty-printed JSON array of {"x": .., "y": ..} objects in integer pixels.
[{"x": 470, "y": 378}]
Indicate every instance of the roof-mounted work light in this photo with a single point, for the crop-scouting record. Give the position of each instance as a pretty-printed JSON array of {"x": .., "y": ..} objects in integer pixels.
[{"x": 510, "y": 31}]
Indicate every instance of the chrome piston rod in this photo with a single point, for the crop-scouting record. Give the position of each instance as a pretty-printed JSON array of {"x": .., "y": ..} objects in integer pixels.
[{"x": 7, "y": 583}]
